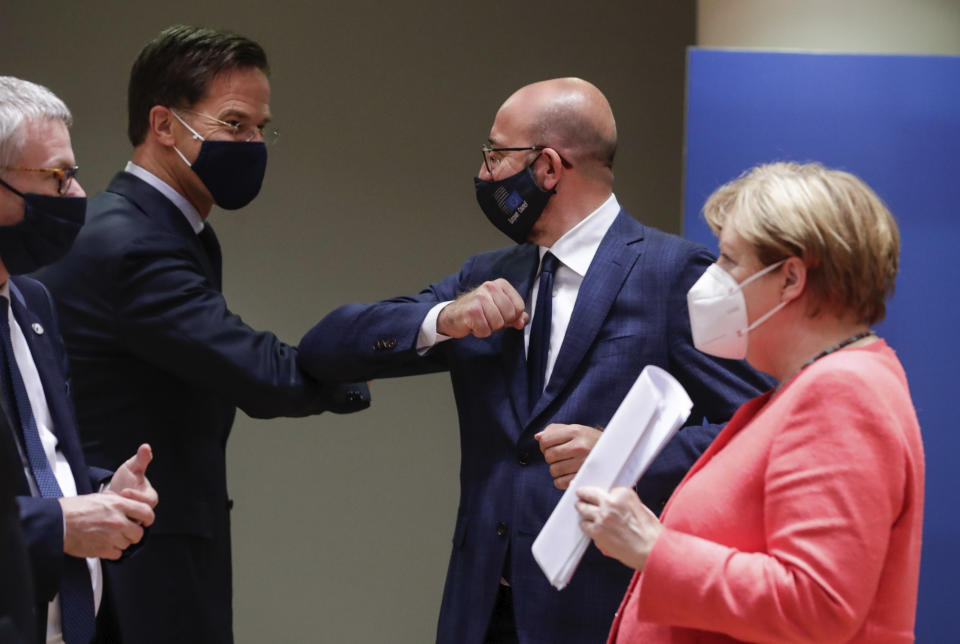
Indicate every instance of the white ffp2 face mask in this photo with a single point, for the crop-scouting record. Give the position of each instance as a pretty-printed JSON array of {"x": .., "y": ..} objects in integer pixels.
[{"x": 718, "y": 312}]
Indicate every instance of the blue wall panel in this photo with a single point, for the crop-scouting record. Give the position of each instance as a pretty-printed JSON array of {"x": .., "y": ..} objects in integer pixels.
[{"x": 895, "y": 122}]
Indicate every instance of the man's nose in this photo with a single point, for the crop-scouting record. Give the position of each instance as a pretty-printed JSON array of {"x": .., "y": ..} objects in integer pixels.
[{"x": 75, "y": 189}]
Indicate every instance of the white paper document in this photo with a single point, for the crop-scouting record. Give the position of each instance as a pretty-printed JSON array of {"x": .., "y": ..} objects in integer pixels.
[{"x": 649, "y": 416}]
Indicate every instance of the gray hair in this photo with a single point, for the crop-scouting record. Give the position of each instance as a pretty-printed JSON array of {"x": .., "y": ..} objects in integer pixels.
[{"x": 20, "y": 101}]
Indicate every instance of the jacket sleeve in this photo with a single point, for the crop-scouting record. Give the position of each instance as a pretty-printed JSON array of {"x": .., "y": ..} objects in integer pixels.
[
  {"x": 717, "y": 387},
  {"x": 379, "y": 340},
  {"x": 41, "y": 522},
  {"x": 170, "y": 315}
]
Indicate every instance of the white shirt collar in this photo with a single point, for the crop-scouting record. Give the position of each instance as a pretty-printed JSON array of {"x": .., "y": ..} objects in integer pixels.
[
  {"x": 191, "y": 213},
  {"x": 579, "y": 244}
]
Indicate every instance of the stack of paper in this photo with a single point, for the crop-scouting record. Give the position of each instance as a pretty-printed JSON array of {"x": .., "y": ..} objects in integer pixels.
[{"x": 649, "y": 416}]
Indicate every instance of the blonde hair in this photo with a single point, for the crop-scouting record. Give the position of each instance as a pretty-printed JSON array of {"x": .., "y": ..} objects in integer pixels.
[{"x": 830, "y": 219}]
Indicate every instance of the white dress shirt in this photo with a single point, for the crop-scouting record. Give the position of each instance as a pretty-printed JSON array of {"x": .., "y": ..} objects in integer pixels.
[
  {"x": 58, "y": 462},
  {"x": 191, "y": 213},
  {"x": 575, "y": 251}
]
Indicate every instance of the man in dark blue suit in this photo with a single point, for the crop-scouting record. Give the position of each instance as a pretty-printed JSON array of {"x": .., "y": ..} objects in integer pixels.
[
  {"x": 604, "y": 296},
  {"x": 67, "y": 522},
  {"x": 16, "y": 592},
  {"x": 155, "y": 353}
]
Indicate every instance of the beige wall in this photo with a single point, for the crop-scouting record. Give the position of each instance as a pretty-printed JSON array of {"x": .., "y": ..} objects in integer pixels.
[
  {"x": 342, "y": 525},
  {"x": 858, "y": 26}
]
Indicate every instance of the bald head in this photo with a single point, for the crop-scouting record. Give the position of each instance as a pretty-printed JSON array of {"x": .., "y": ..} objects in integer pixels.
[
  {"x": 571, "y": 115},
  {"x": 562, "y": 132}
]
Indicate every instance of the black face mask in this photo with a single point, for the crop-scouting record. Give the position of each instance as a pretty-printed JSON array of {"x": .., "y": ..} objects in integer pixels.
[
  {"x": 46, "y": 233},
  {"x": 513, "y": 204},
  {"x": 231, "y": 170}
]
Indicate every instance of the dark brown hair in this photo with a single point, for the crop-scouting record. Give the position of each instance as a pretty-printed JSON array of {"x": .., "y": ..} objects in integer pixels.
[{"x": 175, "y": 69}]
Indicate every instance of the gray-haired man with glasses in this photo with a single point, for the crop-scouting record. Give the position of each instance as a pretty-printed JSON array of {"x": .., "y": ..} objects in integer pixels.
[
  {"x": 155, "y": 353},
  {"x": 71, "y": 515}
]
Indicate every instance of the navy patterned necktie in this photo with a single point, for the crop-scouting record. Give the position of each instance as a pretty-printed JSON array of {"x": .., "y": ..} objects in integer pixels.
[
  {"x": 76, "y": 590},
  {"x": 540, "y": 331}
]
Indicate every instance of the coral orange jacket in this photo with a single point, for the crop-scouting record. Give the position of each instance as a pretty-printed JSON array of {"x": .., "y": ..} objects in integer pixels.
[{"x": 801, "y": 523}]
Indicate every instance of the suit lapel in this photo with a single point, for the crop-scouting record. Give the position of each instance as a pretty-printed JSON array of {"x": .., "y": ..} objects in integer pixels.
[
  {"x": 615, "y": 257},
  {"x": 154, "y": 205},
  {"x": 52, "y": 379}
]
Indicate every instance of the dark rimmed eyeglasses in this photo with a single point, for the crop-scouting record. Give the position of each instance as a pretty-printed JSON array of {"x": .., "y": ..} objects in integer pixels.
[
  {"x": 492, "y": 157},
  {"x": 64, "y": 175}
]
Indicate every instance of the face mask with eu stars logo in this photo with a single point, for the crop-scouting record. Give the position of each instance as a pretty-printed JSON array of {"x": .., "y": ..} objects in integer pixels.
[{"x": 513, "y": 204}]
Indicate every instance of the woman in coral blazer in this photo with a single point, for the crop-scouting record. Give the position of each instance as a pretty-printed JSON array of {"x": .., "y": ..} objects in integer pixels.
[{"x": 802, "y": 522}]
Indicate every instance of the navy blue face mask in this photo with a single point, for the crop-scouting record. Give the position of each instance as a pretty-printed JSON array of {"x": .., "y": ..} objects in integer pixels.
[
  {"x": 231, "y": 170},
  {"x": 44, "y": 235},
  {"x": 513, "y": 204}
]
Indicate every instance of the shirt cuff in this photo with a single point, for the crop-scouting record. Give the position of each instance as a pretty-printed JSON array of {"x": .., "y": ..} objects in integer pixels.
[{"x": 428, "y": 336}]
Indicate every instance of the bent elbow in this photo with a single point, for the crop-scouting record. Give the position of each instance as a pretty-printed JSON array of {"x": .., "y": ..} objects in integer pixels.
[{"x": 826, "y": 620}]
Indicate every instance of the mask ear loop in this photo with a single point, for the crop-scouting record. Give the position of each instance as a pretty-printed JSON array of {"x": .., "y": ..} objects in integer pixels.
[
  {"x": 189, "y": 165},
  {"x": 761, "y": 273},
  {"x": 763, "y": 318},
  {"x": 766, "y": 316},
  {"x": 11, "y": 189},
  {"x": 196, "y": 137}
]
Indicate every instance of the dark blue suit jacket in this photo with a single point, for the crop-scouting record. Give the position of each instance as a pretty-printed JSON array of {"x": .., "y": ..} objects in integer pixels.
[
  {"x": 17, "y": 602},
  {"x": 16, "y": 592},
  {"x": 156, "y": 356},
  {"x": 630, "y": 312},
  {"x": 41, "y": 519}
]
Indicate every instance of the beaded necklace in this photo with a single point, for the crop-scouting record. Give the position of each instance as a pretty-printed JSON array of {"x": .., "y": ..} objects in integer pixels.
[{"x": 843, "y": 343}]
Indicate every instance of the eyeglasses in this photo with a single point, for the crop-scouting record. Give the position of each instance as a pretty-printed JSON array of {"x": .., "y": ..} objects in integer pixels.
[
  {"x": 492, "y": 157},
  {"x": 64, "y": 176},
  {"x": 243, "y": 131}
]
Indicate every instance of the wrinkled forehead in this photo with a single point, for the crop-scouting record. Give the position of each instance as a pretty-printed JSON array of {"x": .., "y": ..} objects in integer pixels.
[{"x": 240, "y": 92}]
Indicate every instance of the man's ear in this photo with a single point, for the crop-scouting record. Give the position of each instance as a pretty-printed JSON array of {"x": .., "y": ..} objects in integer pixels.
[
  {"x": 161, "y": 125},
  {"x": 794, "y": 276},
  {"x": 548, "y": 174}
]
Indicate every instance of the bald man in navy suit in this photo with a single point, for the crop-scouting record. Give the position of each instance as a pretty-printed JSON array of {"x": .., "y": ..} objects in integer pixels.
[{"x": 542, "y": 341}]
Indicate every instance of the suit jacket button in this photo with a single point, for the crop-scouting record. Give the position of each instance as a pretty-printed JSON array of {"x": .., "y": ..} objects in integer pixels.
[
  {"x": 523, "y": 457},
  {"x": 501, "y": 529}
]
